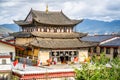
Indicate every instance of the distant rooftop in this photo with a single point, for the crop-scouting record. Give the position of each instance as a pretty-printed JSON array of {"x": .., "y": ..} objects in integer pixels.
[
  {"x": 97, "y": 38},
  {"x": 113, "y": 43}
]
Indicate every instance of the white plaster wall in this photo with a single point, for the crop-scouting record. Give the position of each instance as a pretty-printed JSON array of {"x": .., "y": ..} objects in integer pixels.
[
  {"x": 4, "y": 48},
  {"x": 8, "y": 61},
  {"x": 43, "y": 55},
  {"x": 82, "y": 54},
  {"x": 6, "y": 66}
]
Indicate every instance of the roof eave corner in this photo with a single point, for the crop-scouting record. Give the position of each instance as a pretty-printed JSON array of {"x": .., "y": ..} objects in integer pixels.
[
  {"x": 31, "y": 11},
  {"x": 76, "y": 22},
  {"x": 15, "y": 22},
  {"x": 85, "y": 34},
  {"x": 79, "y": 21}
]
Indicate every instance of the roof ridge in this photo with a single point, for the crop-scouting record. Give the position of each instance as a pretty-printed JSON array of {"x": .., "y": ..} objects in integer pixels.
[
  {"x": 48, "y": 11},
  {"x": 51, "y": 18}
]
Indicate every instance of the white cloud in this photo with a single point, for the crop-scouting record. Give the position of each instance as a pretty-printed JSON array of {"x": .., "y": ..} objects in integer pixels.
[
  {"x": 105, "y": 10},
  {"x": 8, "y": 4}
]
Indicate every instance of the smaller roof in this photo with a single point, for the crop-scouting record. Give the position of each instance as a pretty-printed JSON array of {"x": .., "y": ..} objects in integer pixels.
[
  {"x": 48, "y": 34},
  {"x": 22, "y": 22},
  {"x": 97, "y": 38},
  {"x": 8, "y": 38},
  {"x": 58, "y": 35},
  {"x": 21, "y": 34},
  {"x": 114, "y": 43},
  {"x": 60, "y": 43}
]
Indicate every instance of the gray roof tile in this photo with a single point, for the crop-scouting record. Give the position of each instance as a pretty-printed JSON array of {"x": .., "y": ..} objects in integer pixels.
[
  {"x": 97, "y": 38},
  {"x": 114, "y": 43}
]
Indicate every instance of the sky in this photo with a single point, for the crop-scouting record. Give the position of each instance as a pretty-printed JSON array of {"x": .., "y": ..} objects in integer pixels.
[{"x": 103, "y": 10}]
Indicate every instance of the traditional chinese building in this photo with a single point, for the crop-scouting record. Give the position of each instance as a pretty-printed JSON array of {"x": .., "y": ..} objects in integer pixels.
[{"x": 49, "y": 34}]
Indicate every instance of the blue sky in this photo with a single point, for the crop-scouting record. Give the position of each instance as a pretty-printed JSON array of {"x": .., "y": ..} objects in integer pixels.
[{"x": 104, "y": 10}]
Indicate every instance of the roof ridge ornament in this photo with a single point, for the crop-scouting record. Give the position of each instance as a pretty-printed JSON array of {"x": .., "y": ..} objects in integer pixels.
[{"x": 47, "y": 8}]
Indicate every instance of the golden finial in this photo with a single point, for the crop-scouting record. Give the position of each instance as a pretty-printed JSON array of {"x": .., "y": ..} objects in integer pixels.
[{"x": 47, "y": 8}]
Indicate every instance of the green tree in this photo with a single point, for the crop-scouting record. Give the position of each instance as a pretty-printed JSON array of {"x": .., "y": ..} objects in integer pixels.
[{"x": 98, "y": 70}]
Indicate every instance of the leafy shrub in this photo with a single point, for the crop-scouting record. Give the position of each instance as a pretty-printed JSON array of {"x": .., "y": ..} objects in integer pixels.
[{"x": 98, "y": 70}]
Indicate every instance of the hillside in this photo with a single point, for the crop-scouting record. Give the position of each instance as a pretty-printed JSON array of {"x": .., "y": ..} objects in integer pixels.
[
  {"x": 13, "y": 27},
  {"x": 4, "y": 30},
  {"x": 99, "y": 27}
]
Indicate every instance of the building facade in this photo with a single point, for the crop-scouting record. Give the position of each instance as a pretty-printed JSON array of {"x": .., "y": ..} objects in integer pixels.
[{"x": 49, "y": 35}]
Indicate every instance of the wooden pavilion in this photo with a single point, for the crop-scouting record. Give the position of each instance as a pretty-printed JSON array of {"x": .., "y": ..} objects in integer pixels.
[{"x": 49, "y": 34}]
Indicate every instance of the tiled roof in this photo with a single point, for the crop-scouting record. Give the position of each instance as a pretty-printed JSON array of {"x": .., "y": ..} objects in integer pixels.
[
  {"x": 97, "y": 38},
  {"x": 51, "y": 18},
  {"x": 113, "y": 43},
  {"x": 48, "y": 34},
  {"x": 58, "y": 35},
  {"x": 21, "y": 34},
  {"x": 21, "y": 22},
  {"x": 60, "y": 43},
  {"x": 56, "y": 40}
]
